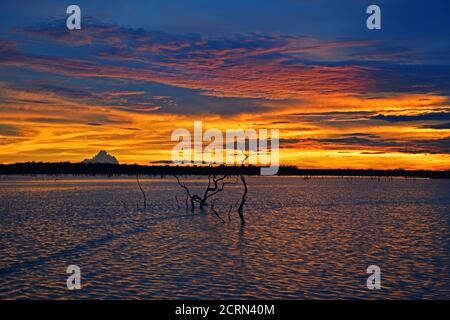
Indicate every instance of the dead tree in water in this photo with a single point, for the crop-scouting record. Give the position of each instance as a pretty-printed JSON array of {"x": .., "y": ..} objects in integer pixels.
[
  {"x": 215, "y": 185},
  {"x": 215, "y": 212},
  {"x": 143, "y": 193},
  {"x": 243, "y": 200},
  {"x": 244, "y": 195},
  {"x": 188, "y": 193}
]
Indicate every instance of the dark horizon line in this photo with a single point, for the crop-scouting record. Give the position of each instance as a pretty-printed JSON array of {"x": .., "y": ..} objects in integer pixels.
[{"x": 70, "y": 168}]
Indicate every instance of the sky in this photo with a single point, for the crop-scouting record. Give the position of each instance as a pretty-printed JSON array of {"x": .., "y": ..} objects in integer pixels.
[{"x": 342, "y": 96}]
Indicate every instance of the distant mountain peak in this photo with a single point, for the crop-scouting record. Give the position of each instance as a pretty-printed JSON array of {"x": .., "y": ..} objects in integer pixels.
[{"x": 102, "y": 157}]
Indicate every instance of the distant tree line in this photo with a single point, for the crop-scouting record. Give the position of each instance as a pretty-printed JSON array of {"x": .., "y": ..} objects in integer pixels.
[{"x": 68, "y": 168}]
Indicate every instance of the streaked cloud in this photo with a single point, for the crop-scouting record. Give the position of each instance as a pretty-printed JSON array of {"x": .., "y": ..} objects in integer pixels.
[{"x": 268, "y": 66}]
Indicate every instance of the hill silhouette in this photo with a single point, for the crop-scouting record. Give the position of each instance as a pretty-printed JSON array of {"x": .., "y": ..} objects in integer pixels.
[{"x": 102, "y": 157}]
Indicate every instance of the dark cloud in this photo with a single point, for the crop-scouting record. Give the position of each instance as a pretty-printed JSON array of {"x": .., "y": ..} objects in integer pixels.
[
  {"x": 433, "y": 145},
  {"x": 358, "y": 134},
  {"x": 7, "y": 46},
  {"x": 380, "y": 144},
  {"x": 50, "y": 120},
  {"x": 441, "y": 126},
  {"x": 411, "y": 78},
  {"x": 374, "y": 152},
  {"x": 333, "y": 116},
  {"x": 432, "y": 116},
  {"x": 286, "y": 142},
  {"x": 385, "y": 53},
  {"x": 9, "y": 130}
]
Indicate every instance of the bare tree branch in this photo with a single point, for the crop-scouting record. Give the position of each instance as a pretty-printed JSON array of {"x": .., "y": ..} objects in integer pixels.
[
  {"x": 215, "y": 212},
  {"x": 188, "y": 193},
  {"x": 215, "y": 185},
  {"x": 244, "y": 195},
  {"x": 213, "y": 202},
  {"x": 178, "y": 203},
  {"x": 243, "y": 200},
  {"x": 143, "y": 193},
  {"x": 229, "y": 213},
  {"x": 218, "y": 216}
]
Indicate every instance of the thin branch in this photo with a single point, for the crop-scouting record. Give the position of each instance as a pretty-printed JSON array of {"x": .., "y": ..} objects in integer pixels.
[
  {"x": 229, "y": 213},
  {"x": 244, "y": 196},
  {"x": 178, "y": 203},
  {"x": 143, "y": 193},
  {"x": 243, "y": 200},
  {"x": 217, "y": 215},
  {"x": 188, "y": 193}
]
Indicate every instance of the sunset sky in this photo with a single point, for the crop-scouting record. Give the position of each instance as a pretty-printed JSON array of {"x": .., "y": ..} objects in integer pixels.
[{"x": 341, "y": 95}]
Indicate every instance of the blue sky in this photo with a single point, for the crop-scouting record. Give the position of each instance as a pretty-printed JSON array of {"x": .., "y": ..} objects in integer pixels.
[{"x": 401, "y": 18}]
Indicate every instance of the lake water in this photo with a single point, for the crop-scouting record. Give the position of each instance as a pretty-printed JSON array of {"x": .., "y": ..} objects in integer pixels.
[{"x": 304, "y": 239}]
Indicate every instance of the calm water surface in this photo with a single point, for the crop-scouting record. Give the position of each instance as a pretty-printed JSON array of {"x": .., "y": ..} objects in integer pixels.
[{"x": 304, "y": 239}]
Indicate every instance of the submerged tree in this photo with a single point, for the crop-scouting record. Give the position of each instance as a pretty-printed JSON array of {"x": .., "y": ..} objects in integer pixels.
[
  {"x": 244, "y": 195},
  {"x": 216, "y": 184},
  {"x": 142, "y": 190}
]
